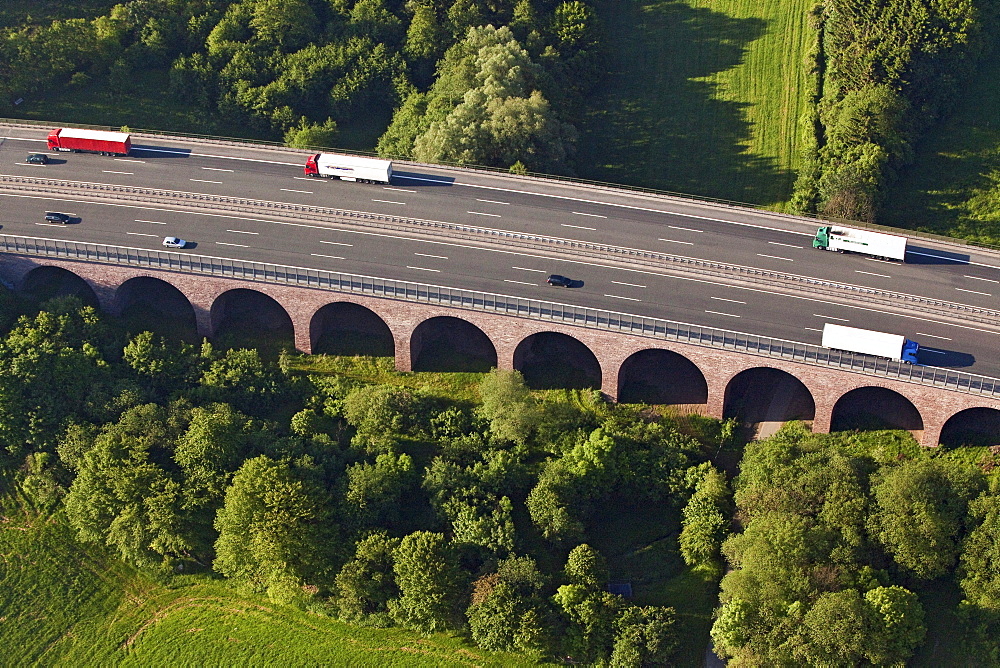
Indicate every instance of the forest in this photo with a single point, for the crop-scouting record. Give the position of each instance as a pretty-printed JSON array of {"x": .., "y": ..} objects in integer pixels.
[
  {"x": 483, "y": 512},
  {"x": 509, "y": 84}
]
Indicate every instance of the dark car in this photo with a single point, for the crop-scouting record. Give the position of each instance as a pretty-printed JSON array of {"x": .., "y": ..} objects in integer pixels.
[
  {"x": 60, "y": 218},
  {"x": 37, "y": 159},
  {"x": 559, "y": 281}
]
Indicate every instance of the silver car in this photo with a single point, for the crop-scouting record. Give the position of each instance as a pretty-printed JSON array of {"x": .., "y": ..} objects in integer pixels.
[{"x": 174, "y": 242}]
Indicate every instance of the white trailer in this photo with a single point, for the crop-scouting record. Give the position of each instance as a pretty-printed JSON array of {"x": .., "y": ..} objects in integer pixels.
[
  {"x": 866, "y": 242},
  {"x": 880, "y": 344},
  {"x": 349, "y": 168}
]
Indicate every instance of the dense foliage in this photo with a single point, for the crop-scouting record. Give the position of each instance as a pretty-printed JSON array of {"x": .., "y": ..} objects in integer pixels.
[
  {"x": 840, "y": 535},
  {"x": 883, "y": 72},
  {"x": 379, "y": 504},
  {"x": 471, "y": 81}
]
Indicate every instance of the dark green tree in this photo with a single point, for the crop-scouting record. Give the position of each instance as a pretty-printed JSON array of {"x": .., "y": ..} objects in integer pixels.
[{"x": 430, "y": 583}]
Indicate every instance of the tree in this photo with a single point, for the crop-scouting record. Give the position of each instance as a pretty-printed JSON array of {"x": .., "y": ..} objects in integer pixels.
[
  {"x": 586, "y": 567},
  {"x": 285, "y": 23},
  {"x": 590, "y": 615},
  {"x": 375, "y": 492},
  {"x": 123, "y": 499},
  {"x": 242, "y": 378},
  {"x": 644, "y": 636},
  {"x": 921, "y": 510},
  {"x": 837, "y": 626},
  {"x": 424, "y": 37},
  {"x": 900, "y": 629},
  {"x": 312, "y": 135},
  {"x": 706, "y": 518},
  {"x": 212, "y": 448},
  {"x": 272, "y": 528},
  {"x": 508, "y": 405},
  {"x": 979, "y": 577},
  {"x": 554, "y": 504},
  {"x": 367, "y": 583},
  {"x": 429, "y": 582},
  {"x": 380, "y": 414}
]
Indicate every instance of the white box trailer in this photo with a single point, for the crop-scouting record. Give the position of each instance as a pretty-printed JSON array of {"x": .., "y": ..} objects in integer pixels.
[
  {"x": 880, "y": 344},
  {"x": 349, "y": 168},
  {"x": 866, "y": 242}
]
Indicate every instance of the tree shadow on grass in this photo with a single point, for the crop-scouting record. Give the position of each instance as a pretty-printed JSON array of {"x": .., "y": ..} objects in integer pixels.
[{"x": 653, "y": 123}]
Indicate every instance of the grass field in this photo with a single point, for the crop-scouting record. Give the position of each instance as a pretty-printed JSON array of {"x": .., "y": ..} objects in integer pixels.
[
  {"x": 702, "y": 97},
  {"x": 954, "y": 185},
  {"x": 63, "y": 604}
]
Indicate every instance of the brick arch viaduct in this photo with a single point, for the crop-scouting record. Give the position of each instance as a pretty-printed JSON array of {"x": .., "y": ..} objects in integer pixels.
[{"x": 826, "y": 386}]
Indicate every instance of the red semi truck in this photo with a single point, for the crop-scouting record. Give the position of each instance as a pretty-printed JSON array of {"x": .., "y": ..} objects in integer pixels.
[{"x": 90, "y": 141}]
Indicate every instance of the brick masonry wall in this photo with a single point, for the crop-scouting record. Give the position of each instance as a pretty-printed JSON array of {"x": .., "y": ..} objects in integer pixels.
[{"x": 718, "y": 366}]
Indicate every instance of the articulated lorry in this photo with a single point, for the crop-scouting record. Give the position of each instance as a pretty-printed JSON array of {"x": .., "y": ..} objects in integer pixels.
[
  {"x": 894, "y": 346},
  {"x": 866, "y": 242},
  {"x": 90, "y": 141},
  {"x": 349, "y": 168}
]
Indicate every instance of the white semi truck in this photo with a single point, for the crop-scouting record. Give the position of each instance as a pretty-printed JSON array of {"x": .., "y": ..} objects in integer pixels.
[
  {"x": 866, "y": 242},
  {"x": 880, "y": 344},
  {"x": 349, "y": 168}
]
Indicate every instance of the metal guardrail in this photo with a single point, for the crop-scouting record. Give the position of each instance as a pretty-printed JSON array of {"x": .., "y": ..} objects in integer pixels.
[
  {"x": 633, "y": 256},
  {"x": 535, "y": 309}
]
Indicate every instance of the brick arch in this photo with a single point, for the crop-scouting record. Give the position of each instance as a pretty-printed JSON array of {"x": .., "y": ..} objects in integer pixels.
[
  {"x": 868, "y": 405},
  {"x": 146, "y": 293},
  {"x": 979, "y": 426},
  {"x": 557, "y": 359},
  {"x": 61, "y": 281},
  {"x": 365, "y": 331},
  {"x": 766, "y": 393},
  {"x": 450, "y": 343},
  {"x": 661, "y": 376}
]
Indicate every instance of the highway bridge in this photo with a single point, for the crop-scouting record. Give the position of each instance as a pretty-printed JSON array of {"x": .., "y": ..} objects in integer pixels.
[{"x": 642, "y": 255}]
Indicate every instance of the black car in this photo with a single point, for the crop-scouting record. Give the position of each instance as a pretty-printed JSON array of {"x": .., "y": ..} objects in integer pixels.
[
  {"x": 37, "y": 159},
  {"x": 61, "y": 218},
  {"x": 559, "y": 281}
]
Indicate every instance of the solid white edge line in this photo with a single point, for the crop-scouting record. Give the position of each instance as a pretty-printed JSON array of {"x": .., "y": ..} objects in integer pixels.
[
  {"x": 731, "y": 315},
  {"x": 933, "y": 336},
  {"x": 631, "y": 299},
  {"x": 438, "y": 271}
]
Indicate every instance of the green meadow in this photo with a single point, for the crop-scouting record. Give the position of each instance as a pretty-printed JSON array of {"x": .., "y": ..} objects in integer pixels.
[
  {"x": 65, "y": 604},
  {"x": 701, "y": 97}
]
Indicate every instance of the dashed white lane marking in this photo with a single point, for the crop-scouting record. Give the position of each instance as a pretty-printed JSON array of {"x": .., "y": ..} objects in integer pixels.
[
  {"x": 729, "y": 315},
  {"x": 580, "y": 227},
  {"x": 399, "y": 190},
  {"x": 480, "y": 213},
  {"x": 875, "y": 259},
  {"x": 723, "y": 299},
  {"x": 436, "y": 271},
  {"x": 223, "y": 243},
  {"x": 108, "y": 171},
  {"x": 830, "y": 317},
  {"x": 631, "y": 299},
  {"x": 304, "y": 192},
  {"x": 686, "y": 229},
  {"x": 142, "y": 234},
  {"x": 493, "y": 201},
  {"x": 439, "y": 257},
  {"x": 335, "y": 243},
  {"x": 776, "y": 257},
  {"x": 303, "y": 178},
  {"x": 241, "y": 232},
  {"x": 48, "y": 224},
  {"x": 507, "y": 280},
  {"x": 813, "y": 329},
  {"x": 332, "y": 257},
  {"x": 387, "y": 201},
  {"x": 977, "y": 278},
  {"x": 151, "y": 222},
  {"x": 540, "y": 271},
  {"x": 142, "y": 162},
  {"x": 933, "y": 336},
  {"x": 217, "y": 169},
  {"x": 218, "y": 183},
  {"x": 633, "y": 285},
  {"x": 871, "y": 273},
  {"x": 975, "y": 292},
  {"x": 674, "y": 241},
  {"x": 778, "y": 243},
  {"x": 592, "y": 215}
]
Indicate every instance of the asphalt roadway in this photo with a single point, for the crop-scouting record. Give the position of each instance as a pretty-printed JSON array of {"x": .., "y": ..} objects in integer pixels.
[{"x": 565, "y": 210}]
